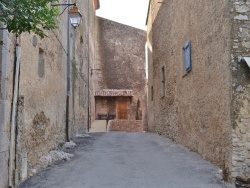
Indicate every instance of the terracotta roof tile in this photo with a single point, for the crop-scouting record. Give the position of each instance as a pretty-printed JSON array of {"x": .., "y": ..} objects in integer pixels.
[{"x": 114, "y": 93}]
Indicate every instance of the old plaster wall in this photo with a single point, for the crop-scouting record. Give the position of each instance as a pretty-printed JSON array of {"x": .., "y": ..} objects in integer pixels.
[
  {"x": 96, "y": 77},
  {"x": 195, "y": 110},
  {"x": 42, "y": 89},
  {"x": 240, "y": 15},
  {"x": 82, "y": 55},
  {"x": 150, "y": 87},
  {"x": 120, "y": 61},
  {"x": 42, "y": 95},
  {"x": 93, "y": 33},
  {"x": 6, "y": 85}
]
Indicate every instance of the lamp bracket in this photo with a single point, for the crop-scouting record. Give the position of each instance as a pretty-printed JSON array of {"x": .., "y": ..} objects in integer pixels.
[
  {"x": 67, "y": 5},
  {"x": 72, "y": 4}
]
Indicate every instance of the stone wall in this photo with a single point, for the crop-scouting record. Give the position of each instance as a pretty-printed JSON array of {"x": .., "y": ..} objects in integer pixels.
[
  {"x": 41, "y": 109},
  {"x": 196, "y": 108},
  {"x": 240, "y": 14},
  {"x": 125, "y": 125},
  {"x": 120, "y": 62}
]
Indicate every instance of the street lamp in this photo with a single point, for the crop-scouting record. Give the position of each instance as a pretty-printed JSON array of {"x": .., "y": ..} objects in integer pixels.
[{"x": 75, "y": 16}]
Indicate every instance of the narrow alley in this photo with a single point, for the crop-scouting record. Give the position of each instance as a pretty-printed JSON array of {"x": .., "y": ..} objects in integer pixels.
[
  {"x": 131, "y": 160},
  {"x": 148, "y": 94}
]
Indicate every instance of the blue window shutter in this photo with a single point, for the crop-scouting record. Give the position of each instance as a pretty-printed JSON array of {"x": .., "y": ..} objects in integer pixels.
[{"x": 188, "y": 64}]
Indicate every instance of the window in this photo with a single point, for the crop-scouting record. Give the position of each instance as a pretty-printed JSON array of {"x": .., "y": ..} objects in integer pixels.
[
  {"x": 187, "y": 57},
  {"x": 152, "y": 93},
  {"x": 163, "y": 80},
  {"x": 41, "y": 65}
]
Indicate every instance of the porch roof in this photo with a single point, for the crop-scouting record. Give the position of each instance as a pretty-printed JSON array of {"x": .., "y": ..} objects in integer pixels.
[{"x": 114, "y": 93}]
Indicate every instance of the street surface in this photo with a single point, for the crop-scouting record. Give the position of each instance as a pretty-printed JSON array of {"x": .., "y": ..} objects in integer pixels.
[{"x": 129, "y": 160}]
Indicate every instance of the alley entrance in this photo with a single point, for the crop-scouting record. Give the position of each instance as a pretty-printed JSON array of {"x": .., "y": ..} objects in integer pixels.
[{"x": 134, "y": 160}]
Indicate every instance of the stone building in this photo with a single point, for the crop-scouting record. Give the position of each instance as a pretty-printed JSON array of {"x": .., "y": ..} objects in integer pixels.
[
  {"x": 199, "y": 79},
  {"x": 33, "y": 104},
  {"x": 118, "y": 76}
]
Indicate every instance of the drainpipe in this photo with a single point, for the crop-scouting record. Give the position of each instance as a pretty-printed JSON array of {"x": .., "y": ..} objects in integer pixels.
[
  {"x": 88, "y": 84},
  {"x": 68, "y": 77},
  {"x": 13, "y": 115}
]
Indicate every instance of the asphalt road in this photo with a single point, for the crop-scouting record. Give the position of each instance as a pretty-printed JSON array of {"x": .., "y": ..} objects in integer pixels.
[{"x": 129, "y": 160}]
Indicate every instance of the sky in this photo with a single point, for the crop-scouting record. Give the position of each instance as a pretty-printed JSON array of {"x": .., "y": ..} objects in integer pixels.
[{"x": 128, "y": 12}]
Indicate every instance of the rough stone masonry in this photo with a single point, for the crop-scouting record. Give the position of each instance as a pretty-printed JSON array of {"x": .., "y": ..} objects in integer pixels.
[
  {"x": 208, "y": 109},
  {"x": 240, "y": 14}
]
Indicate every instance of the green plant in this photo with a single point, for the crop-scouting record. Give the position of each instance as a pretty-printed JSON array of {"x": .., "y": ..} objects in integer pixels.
[{"x": 36, "y": 16}]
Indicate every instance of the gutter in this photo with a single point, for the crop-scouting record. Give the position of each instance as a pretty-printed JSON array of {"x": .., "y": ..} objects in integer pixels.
[
  {"x": 149, "y": 3},
  {"x": 68, "y": 77}
]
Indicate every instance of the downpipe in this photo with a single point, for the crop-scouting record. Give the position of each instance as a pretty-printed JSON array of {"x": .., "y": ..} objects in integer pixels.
[
  {"x": 13, "y": 133},
  {"x": 88, "y": 66},
  {"x": 68, "y": 77}
]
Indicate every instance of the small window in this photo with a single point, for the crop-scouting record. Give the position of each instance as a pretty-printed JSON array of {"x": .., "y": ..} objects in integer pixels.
[
  {"x": 187, "y": 57},
  {"x": 152, "y": 93},
  {"x": 41, "y": 65},
  {"x": 163, "y": 80}
]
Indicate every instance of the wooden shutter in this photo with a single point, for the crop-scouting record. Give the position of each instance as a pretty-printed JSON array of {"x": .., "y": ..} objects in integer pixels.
[{"x": 188, "y": 64}]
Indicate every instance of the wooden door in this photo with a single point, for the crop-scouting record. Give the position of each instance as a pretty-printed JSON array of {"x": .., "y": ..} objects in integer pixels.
[{"x": 122, "y": 110}]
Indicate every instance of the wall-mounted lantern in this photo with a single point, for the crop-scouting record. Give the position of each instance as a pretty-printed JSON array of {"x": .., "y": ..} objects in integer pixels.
[{"x": 75, "y": 16}]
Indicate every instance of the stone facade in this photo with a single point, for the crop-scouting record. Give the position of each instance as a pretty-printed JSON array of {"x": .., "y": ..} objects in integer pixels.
[
  {"x": 195, "y": 108},
  {"x": 240, "y": 15},
  {"x": 41, "y": 102},
  {"x": 206, "y": 110},
  {"x": 119, "y": 66}
]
